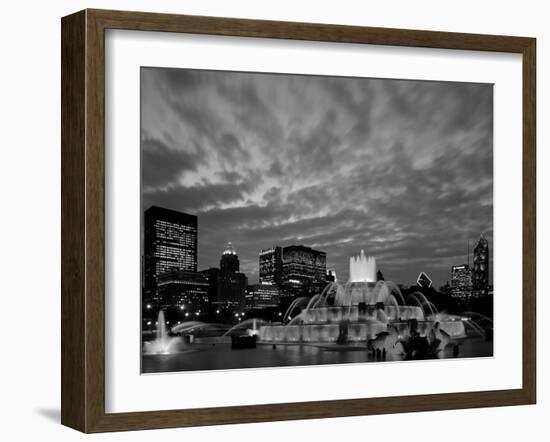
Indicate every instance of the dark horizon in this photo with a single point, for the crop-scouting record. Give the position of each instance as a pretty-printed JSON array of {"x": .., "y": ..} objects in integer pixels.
[{"x": 401, "y": 169}]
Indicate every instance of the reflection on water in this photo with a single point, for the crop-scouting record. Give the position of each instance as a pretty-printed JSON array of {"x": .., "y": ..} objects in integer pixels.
[{"x": 222, "y": 357}]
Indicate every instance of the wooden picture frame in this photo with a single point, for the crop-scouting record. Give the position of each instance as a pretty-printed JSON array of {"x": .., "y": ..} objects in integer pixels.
[{"x": 83, "y": 220}]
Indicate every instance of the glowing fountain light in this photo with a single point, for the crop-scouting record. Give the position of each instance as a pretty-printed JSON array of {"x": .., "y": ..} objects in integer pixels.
[{"x": 362, "y": 268}]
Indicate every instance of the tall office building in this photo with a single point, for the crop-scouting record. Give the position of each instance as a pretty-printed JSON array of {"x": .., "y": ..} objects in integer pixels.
[
  {"x": 271, "y": 265},
  {"x": 303, "y": 265},
  {"x": 461, "y": 281},
  {"x": 480, "y": 273},
  {"x": 229, "y": 262},
  {"x": 232, "y": 283},
  {"x": 170, "y": 244},
  {"x": 293, "y": 265}
]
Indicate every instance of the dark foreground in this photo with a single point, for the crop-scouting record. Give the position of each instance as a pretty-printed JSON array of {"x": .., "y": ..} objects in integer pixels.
[{"x": 220, "y": 356}]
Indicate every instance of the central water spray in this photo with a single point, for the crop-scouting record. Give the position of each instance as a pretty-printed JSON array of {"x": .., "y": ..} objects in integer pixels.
[{"x": 362, "y": 268}]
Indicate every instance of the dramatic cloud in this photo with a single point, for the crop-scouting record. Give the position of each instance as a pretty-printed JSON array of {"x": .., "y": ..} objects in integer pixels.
[{"x": 402, "y": 169}]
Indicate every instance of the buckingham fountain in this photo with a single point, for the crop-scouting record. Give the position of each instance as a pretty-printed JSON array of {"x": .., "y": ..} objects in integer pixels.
[
  {"x": 367, "y": 312},
  {"x": 363, "y": 319}
]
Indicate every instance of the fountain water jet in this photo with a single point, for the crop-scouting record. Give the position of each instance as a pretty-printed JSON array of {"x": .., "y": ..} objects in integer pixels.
[
  {"x": 362, "y": 268},
  {"x": 304, "y": 300},
  {"x": 163, "y": 343},
  {"x": 253, "y": 330}
]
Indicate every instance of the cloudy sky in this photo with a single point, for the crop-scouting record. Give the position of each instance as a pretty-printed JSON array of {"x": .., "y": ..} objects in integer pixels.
[{"x": 401, "y": 169}]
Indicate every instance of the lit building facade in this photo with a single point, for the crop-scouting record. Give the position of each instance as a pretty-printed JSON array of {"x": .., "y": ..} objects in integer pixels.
[
  {"x": 303, "y": 265},
  {"x": 188, "y": 291},
  {"x": 271, "y": 265},
  {"x": 461, "y": 281},
  {"x": 480, "y": 272},
  {"x": 260, "y": 296},
  {"x": 170, "y": 244}
]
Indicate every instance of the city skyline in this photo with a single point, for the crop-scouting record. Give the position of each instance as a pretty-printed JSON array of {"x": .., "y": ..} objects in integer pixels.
[
  {"x": 336, "y": 164},
  {"x": 470, "y": 256}
]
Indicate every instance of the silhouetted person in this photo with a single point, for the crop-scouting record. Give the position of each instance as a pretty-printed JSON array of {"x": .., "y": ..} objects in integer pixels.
[{"x": 384, "y": 353}]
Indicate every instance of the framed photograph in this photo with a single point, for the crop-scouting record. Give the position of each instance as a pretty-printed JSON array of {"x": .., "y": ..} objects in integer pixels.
[{"x": 270, "y": 220}]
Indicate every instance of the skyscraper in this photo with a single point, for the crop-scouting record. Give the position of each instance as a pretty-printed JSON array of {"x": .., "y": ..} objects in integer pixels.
[
  {"x": 294, "y": 265},
  {"x": 271, "y": 265},
  {"x": 170, "y": 244},
  {"x": 303, "y": 265},
  {"x": 232, "y": 282},
  {"x": 229, "y": 262},
  {"x": 480, "y": 273},
  {"x": 461, "y": 281}
]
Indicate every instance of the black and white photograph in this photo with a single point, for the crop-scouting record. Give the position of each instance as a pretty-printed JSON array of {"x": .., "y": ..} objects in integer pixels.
[{"x": 298, "y": 220}]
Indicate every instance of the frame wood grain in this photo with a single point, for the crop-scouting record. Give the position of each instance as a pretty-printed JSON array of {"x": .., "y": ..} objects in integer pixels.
[{"x": 83, "y": 218}]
